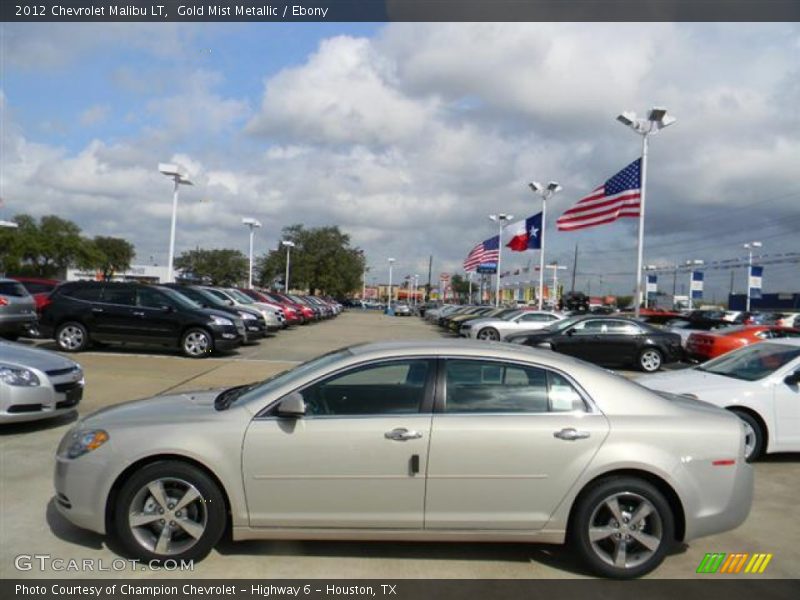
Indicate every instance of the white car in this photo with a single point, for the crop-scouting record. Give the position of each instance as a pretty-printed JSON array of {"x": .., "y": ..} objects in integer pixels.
[
  {"x": 760, "y": 383},
  {"x": 497, "y": 329}
]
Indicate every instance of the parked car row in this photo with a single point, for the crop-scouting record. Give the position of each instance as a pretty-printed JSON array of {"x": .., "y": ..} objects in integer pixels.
[{"x": 198, "y": 320}]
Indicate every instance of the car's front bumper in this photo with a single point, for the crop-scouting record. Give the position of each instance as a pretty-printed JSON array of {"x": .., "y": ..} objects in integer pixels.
[{"x": 81, "y": 489}]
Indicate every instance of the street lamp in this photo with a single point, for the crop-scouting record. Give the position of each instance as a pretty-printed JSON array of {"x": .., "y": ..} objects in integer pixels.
[
  {"x": 416, "y": 284},
  {"x": 179, "y": 178},
  {"x": 749, "y": 247},
  {"x": 389, "y": 305},
  {"x": 501, "y": 219},
  {"x": 690, "y": 264},
  {"x": 545, "y": 193},
  {"x": 657, "y": 119},
  {"x": 253, "y": 225},
  {"x": 289, "y": 245}
]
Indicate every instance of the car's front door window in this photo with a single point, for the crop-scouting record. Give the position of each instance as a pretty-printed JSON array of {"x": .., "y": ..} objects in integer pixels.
[{"x": 395, "y": 387}]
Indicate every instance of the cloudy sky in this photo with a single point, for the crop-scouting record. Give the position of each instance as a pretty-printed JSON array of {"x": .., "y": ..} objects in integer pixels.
[{"x": 408, "y": 135}]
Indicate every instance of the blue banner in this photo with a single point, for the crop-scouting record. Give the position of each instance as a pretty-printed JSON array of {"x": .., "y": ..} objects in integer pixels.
[
  {"x": 697, "y": 285},
  {"x": 754, "y": 281}
]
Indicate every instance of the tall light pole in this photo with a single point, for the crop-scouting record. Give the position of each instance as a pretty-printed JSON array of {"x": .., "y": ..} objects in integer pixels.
[
  {"x": 556, "y": 268},
  {"x": 416, "y": 283},
  {"x": 363, "y": 283},
  {"x": 545, "y": 193},
  {"x": 253, "y": 225},
  {"x": 389, "y": 304},
  {"x": 657, "y": 119},
  {"x": 749, "y": 247},
  {"x": 179, "y": 178},
  {"x": 289, "y": 245},
  {"x": 690, "y": 264},
  {"x": 501, "y": 220}
]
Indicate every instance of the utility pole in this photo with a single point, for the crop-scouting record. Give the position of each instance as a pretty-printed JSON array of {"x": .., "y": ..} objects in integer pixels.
[
  {"x": 430, "y": 270},
  {"x": 574, "y": 269}
]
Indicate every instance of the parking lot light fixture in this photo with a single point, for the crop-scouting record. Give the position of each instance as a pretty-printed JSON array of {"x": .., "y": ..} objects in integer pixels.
[
  {"x": 179, "y": 177},
  {"x": 389, "y": 304},
  {"x": 253, "y": 225},
  {"x": 656, "y": 120},
  {"x": 545, "y": 192},
  {"x": 289, "y": 245},
  {"x": 501, "y": 219},
  {"x": 749, "y": 247}
]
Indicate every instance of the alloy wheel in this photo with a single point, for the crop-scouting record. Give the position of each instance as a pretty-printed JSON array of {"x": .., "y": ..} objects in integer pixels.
[
  {"x": 196, "y": 343},
  {"x": 70, "y": 337},
  {"x": 168, "y": 516},
  {"x": 625, "y": 530},
  {"x": 488, "y": 334},
  {"x": 650, "y": 360},
  {"x": 750, "y": 440}
]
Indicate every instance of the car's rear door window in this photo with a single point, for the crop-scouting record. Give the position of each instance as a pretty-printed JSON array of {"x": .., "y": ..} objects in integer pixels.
[
  {"x": 125, "y": 296},
  {"x": 475, "y": 386}
]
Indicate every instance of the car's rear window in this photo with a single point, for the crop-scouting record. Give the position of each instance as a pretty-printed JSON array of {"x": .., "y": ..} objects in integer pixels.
[
  {"x": 37, "y": 287},
  {"x": 12, "y": 288}
]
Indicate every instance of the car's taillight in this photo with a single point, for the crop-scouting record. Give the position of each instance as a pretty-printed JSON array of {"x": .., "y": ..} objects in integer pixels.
[
  {"x": 724, "y": 462},
  {"x": 3, "y": 301}
]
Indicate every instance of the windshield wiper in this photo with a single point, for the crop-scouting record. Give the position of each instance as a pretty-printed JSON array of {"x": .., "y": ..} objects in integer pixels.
[{"x": 227, "y": 397}]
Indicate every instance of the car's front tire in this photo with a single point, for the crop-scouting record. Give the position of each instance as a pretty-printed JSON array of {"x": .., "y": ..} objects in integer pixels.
[
  {"x": 489, "y": 333},
  {"x": 622, "y": 527},
  {"x": 754, "y": 437},
  {"x": 650, "y": 360},
  {"x": 72, "y": 337},
  {"x": 169, "y": 510},
  {"x": 197, "y": 343}
]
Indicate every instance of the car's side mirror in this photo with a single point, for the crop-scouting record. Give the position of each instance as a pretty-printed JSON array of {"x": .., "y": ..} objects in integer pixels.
[
  {"x": 570, "y": 332},
  {"x": 167, "y": 308},
  {"x": 792, "y": 378},
  {"x": 292, "y": 406},
  {"x": 229, "y": 302}
]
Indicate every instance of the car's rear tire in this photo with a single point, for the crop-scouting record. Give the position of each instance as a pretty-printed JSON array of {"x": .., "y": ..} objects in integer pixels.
[
  {"x": 197, "y": 343},
  {"x": 650, "y": 360},
  {"x": 622, "y": 527},
  {"x": 72, "y": 337},
  {"x": 169, "y": 510},
  {"x": 489, "y": 333},
  {"x": 755, "y": 437},
  {"x": 11, "y": 337}
]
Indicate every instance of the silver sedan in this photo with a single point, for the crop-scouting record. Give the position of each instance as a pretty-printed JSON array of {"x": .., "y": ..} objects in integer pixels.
[
  {"x": 499, "y": 329},
  {"x": 36, "y": 384},
  {"x": 440, "y": 441}
]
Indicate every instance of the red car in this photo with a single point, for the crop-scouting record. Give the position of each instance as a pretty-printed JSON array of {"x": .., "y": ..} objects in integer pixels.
[
  {"x": 38, "y": 288},
  {"x": 706, "y": 345},
  {"x": 291, "y": 313}
]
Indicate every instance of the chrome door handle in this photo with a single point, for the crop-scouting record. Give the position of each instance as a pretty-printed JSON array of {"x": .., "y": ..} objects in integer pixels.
[
  {"x": 97, "y": 310},
  {"x": 401, "y": 434},
  {"x": 570, "y": 434},
  {"x": 138, "y": 313}
]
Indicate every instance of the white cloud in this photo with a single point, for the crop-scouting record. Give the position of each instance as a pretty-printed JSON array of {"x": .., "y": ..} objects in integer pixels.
[{"x": 94, "y": 115}]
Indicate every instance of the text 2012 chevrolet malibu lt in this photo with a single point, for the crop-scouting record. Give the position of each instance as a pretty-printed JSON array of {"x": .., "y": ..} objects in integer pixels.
[{"x": 413, "y": 441}]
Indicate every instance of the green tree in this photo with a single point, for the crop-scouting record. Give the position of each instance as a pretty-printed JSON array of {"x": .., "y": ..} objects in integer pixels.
[
  {"x": 322, "y": 261},
  {"x": 460, "y": 286},
  {"x": 222, "y": 266},
  {"x": 108, "y": 254},
  {"x": 45, "y": 248}
]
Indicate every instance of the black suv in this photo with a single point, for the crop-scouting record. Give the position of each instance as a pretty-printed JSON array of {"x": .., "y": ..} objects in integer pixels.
[
  {"x": 254, "y": 323},
  {"x": 82, "y": 312}
]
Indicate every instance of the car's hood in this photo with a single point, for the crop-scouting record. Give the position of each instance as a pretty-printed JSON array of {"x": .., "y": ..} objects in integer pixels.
[
  {"x": 23, "y": 356},
  {"x": 692, "y": 381},
  {"x": 176, "y": 408}
]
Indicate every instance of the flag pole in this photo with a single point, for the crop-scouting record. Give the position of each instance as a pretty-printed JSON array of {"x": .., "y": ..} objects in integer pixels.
[
  {"x": 541, "y": 252},
  {"x": 640, "y": 255},
  {"x": 499, "y": 259}
]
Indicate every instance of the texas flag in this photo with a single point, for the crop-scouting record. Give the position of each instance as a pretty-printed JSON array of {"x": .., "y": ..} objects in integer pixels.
[{"x": 524, "y": 235}]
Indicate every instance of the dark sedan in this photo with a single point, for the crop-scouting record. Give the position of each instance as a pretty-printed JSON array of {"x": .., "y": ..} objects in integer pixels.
[{"x": 608, "y": 341}]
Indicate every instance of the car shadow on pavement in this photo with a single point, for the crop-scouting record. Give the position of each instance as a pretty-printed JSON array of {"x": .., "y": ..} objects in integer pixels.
[
  {"x": 40, "y": 425},
  {"x": 551, "y": 555},
  {"x": 67, "y": 532},
  {"x": 781, "y": 457}
]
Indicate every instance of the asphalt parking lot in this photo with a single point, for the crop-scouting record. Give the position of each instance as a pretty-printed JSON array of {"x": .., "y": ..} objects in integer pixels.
[{"x": 29, "y": 524}]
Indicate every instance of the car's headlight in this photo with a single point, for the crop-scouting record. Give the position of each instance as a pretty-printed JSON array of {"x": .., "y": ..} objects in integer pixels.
[
  {"x": 83, "y": 442},
  {"x": 247, "y": 316},
  {"x": 18, "y": 376},
  {"x": 220, "y": 321}
]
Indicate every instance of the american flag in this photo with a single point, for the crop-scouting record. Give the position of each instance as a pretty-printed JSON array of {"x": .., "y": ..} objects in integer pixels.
[
  {"x": 488, "y": 251},
  {"x": 618, "y": 197}
]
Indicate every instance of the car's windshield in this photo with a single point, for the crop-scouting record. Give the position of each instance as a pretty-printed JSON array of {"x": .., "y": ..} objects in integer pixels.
[
  {"x": 752, "y": 362},
  {"x": 256, "y": 391},
  {"x": 239, "y": 296},
  {"x": 179, "y": 299}
]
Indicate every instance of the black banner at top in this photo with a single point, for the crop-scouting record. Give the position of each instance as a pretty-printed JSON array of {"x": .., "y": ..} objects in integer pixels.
[{"x": 399, "y": 10}]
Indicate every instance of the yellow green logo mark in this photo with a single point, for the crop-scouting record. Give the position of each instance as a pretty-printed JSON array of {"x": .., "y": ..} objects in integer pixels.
[{"x": 734, "y": 563}]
